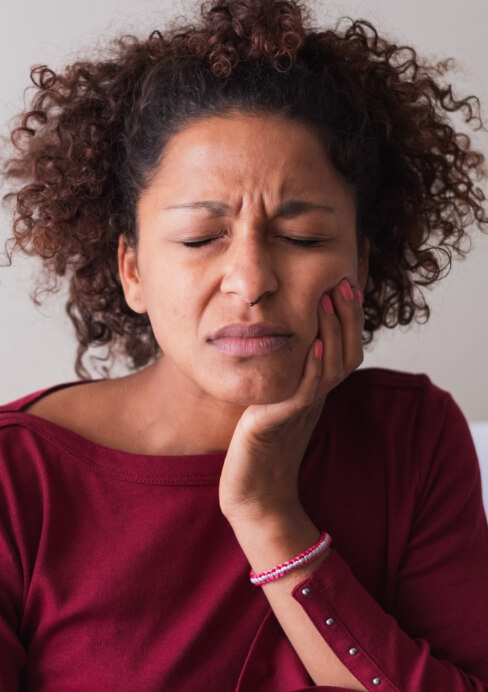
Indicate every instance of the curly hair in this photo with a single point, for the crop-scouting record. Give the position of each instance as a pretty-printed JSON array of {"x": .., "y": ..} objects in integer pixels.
[{"x": 93, "y": 135}]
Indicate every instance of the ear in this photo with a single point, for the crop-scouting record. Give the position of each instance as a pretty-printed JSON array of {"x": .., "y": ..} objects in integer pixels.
[
  {"x": 129, "y": 275},
  {"x": 363, "y": 262}
]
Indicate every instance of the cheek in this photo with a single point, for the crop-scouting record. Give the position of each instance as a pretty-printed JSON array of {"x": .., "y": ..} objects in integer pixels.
[
  {"x": 173, "y": 306},
  {"x": 323, "y": 276},
  {"x": 337, "y": 266},
  {"x": 316, "y": 280}
]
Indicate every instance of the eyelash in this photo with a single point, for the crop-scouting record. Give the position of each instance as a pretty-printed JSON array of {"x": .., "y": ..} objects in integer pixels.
[
  {"x": 300, "y": 242},
  {"x": 197, "y": 243}
]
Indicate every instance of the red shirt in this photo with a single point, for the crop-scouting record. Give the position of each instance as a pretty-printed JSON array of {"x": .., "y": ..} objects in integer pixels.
[{"x": 118, "y": 571}]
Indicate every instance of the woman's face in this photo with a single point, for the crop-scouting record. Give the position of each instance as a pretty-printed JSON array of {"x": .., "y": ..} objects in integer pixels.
[{"x": 241, "y": 208}]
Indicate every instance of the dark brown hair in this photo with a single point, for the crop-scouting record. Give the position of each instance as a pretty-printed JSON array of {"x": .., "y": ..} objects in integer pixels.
[{"x": 93, "y": 135}]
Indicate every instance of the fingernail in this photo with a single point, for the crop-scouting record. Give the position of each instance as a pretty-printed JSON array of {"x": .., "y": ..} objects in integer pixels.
[
  {"x": 346, "y": 290},
  {"x": 358, "y": 295},
  {"x": 319, "y": 350},
  {"x": 327, "y": 304}
]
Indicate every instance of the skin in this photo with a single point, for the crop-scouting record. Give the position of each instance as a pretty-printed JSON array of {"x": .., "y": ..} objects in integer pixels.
[
  {"x": 262, "y": 408},
  {"x": 266, "y": 405},
  {"x": 252, "y": 165}
]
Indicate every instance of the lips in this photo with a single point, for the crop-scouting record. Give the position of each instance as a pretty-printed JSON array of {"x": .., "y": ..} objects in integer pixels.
[
  {"x": 248, "y": 331},
  {"x": 244, "y": 340}
]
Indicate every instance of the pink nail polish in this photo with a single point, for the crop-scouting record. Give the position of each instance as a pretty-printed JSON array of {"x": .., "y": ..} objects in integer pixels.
[
  {"x": 319, "y": 350},
  {"x": 346, "y": 290},
  {"x": 327, "y": 304}
]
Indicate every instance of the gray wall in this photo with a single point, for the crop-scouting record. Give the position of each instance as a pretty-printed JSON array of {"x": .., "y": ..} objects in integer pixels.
[{"x": 37, "y": 346}]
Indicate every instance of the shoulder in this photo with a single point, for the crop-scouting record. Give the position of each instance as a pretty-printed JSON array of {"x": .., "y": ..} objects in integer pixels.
[
  {"x": 27, "y": 401},
  {"x": 412, "y": 417},
  {"x": 384, "y": 380},
  {"x": 32, "y": 416},
  {"x": 19, "y": 428},
  {"x": 389, "y": 407},
  {"x": 380, "y": 390},
  {"x": 42, "y": 437},
  {"x": 409, "y": 428},
  {"x": 74, "y": 415},
  {"x": 65, "y": 405}
]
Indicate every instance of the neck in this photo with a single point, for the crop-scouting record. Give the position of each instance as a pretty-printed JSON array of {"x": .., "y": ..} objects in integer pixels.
[{"x": 164, "y": 407}]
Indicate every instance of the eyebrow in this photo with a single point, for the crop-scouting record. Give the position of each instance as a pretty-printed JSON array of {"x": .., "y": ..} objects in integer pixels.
[{"x": 288, "y": 209}]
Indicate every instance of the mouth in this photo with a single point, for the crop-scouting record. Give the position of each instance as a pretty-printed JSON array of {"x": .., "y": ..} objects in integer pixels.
[{"x": 242, "y": 339}]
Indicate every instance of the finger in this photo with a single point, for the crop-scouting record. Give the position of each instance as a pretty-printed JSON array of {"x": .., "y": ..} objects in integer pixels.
[
  {"x": 348, "y": 304},
  {"x": 261, "y": 417},
  {"x": 306, "y": 392},
  {"x": 330, "y": 333}
]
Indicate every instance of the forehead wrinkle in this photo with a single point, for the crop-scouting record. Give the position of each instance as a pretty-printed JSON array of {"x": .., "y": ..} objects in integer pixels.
[
  {"x": 238, "y": 177},
  {"x": 215, "y": 207},
  {"x": 286, "y": 209}
]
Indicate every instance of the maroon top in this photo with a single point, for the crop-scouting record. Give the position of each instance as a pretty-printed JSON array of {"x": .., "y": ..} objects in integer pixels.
[{"x": 119, "y": 572}]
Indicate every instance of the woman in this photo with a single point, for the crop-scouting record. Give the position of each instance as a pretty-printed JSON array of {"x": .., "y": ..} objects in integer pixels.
[{"x": 234, "y": 205}]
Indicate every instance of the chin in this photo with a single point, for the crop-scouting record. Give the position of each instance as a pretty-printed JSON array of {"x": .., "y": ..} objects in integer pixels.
[{"x": 260, "y": 389}]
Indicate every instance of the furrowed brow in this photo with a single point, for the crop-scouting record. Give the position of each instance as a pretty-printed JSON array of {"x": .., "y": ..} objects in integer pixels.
[
  {"x": 289, "y": 209},
  {"x": 292, "y": 208},
  {"x": 215, "y": 208}
]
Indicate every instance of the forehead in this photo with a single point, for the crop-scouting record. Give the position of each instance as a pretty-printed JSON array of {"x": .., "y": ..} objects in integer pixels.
[{"x": 267, "y": 153}]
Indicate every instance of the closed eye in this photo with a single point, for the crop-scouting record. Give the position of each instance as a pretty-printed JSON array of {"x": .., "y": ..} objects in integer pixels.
[
  {"x": 198, "y": 243},
  {"x": 302, "y": 242},
  {"x": 293, "y": 240},
  {"x": 205, "y": 241}
]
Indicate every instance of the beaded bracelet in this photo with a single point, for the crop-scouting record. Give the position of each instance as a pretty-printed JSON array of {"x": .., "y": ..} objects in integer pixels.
[{"x": 304, "y": 558}]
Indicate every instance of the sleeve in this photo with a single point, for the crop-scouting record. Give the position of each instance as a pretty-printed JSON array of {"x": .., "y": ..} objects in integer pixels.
[
  {"x": 436, "y": 638},
  {"x": 12, "y": 557},
  {"x": 12, "y": 653}
]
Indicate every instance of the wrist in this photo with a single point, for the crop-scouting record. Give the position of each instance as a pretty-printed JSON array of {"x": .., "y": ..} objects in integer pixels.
[
  {"x": 277, "y": 539},
  {"x": 272, "y": 525},
  {"x": 304, "y": 559},
  {"x": 270, "y": 515}
]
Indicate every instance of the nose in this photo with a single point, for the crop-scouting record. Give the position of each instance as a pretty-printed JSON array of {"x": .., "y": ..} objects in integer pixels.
[{"x": 249, "y": 271}]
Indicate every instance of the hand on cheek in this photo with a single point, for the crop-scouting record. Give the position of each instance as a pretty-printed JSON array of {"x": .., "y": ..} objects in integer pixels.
[
  {"x": 260, "y": 474},
  {"x": 340, "y": 327}
]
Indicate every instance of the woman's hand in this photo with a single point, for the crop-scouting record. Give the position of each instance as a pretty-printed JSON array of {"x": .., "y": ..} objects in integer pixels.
[{"x": 259, "y": 480}]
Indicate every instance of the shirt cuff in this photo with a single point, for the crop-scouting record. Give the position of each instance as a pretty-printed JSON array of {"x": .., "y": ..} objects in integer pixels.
[{"x": 347, "y": 617}]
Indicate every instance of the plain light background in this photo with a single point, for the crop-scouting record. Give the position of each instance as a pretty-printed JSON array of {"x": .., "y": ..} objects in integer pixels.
[{"x": 37, "y": 346}]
